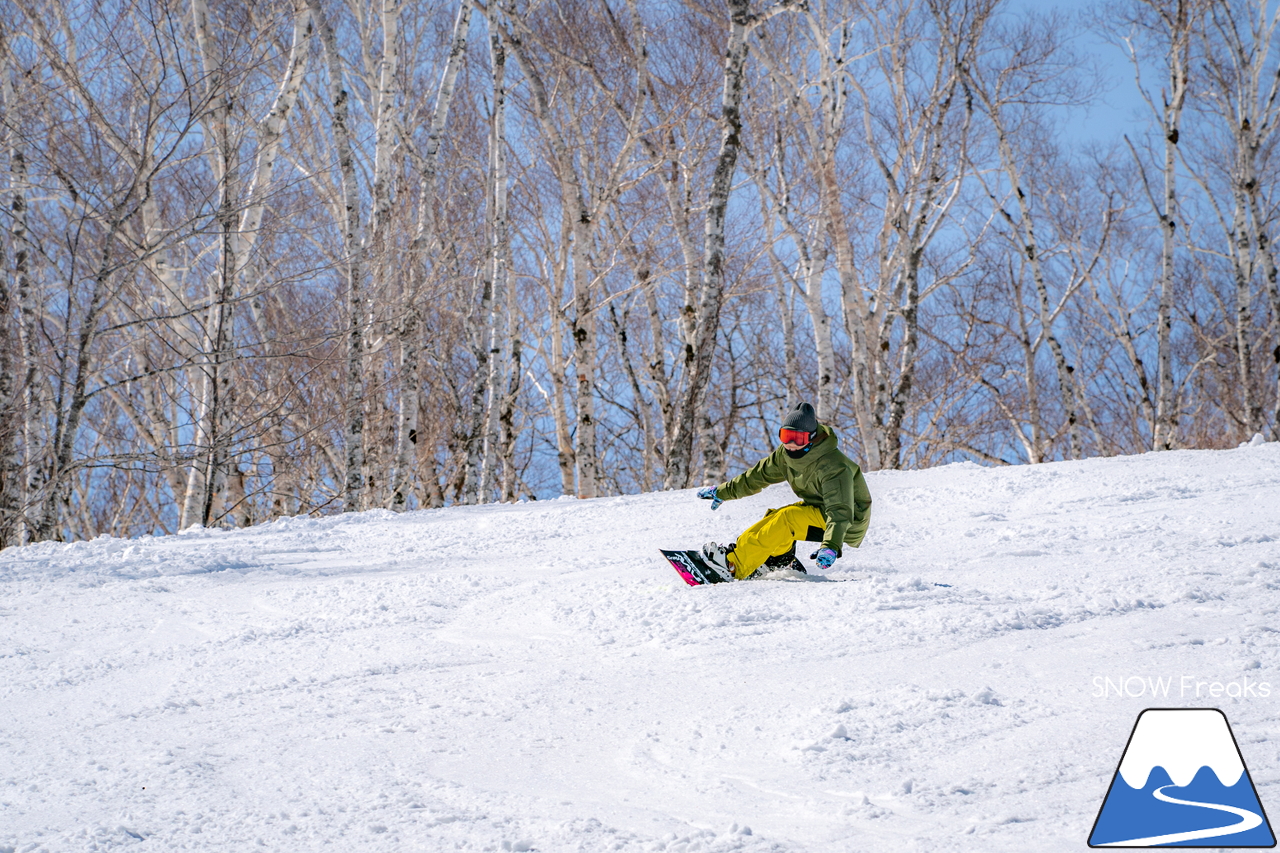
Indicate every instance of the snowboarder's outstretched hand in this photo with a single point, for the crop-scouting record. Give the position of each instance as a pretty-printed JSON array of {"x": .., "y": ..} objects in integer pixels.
[
  {"x": 708, "y": 493},
  {"x": 824, "y": 556}
]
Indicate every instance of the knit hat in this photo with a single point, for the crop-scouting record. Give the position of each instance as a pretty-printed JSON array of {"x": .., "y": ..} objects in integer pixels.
[{"x": 801, "y": 418}]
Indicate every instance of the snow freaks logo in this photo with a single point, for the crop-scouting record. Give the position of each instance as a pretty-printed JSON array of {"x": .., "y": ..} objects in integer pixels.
[
  {"x": 1186, "y": 687},
  {"x": 1181, "y": 783}
]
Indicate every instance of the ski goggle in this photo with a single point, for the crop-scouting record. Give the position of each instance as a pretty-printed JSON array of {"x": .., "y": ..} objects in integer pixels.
[{"x": 794, "y": 436}]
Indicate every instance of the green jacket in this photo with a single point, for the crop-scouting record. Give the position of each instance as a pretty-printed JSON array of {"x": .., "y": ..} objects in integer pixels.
[{"x": 824, "y": 477}]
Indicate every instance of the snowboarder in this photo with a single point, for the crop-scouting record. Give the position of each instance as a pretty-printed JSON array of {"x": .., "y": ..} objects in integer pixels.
[{"x": 835, "y": 505}]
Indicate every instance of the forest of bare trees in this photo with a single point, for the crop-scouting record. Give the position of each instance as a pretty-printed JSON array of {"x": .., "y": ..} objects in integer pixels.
[{"x": 261, "y": 259}]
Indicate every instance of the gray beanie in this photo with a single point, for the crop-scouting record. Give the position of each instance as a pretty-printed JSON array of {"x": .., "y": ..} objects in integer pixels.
[{"x": 801, "y": 418}]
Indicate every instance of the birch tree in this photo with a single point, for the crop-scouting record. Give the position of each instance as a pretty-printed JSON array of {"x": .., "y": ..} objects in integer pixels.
[
  {"x": 426, "y": 243},
  {"x": 1234, "y": 169},
  {"x": 1026, "y": 70},
  {"x": 1169, "y": 26},
  {"x": 103, "y": 149},
  {"x": 19, "y": 372},
  {"x": 373, "y": 250},
  {"x": 503, "y": 379},
  {"x": 247, "y": 228},
  {"x": 711, "y": 286},
  {"x": 808, "y": 71},
  {"x": 916, "y": 123},
  {"x": 589, "y": 184},
  {"x": 11, "y": 498}
]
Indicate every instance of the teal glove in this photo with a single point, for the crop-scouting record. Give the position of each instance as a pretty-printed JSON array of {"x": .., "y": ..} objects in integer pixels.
[
  {"x": 824, "y": 556},
  {"x": 708, "y": 493}
]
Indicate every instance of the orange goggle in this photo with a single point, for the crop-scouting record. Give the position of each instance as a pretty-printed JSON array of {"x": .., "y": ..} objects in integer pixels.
[{"x": 794, "y": 436}]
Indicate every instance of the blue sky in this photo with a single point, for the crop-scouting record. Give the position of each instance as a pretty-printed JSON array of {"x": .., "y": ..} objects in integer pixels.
[{"x": 1117, "y": 108}]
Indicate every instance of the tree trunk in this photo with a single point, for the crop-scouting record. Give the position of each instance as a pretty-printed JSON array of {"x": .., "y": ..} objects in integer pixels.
[
  {"x": 496, "y": 269},
  {"x": 1165, "y": 430},
  {"x": 1023, "y": 234},
  {"x": 10, "y": 397},
  {"x": 1266, "y": 251},
  {"x": 1245, "y": 95},
  {"x": 352, "y": 267},
  {"x": 57, "y": 494},
  {"x": 24, "y": 384},
  {"x": 504, "y": 379},
  {"x": 921, "y": 159},
  {"x": 644, "y": 421},
  {"x": 480, "y": 334},
  {"x": 811, "y": 268},
  {"x": 425, "y": 242},
  {"x": 565, "y": 455},
  {"x": 581, "y": 216},
  {"x": 706, "y": 326},
  {"x": 223, "y": 155},
  {"x": 1243, "y": 272}
]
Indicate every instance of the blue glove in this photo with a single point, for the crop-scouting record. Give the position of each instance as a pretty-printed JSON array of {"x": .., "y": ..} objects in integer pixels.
[
  {"x": 824, "y": 556},
  {"x": 708, "y": 493}
]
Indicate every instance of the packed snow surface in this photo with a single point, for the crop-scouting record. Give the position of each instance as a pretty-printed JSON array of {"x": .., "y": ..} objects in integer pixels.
[{"x": 535, "y": 677}]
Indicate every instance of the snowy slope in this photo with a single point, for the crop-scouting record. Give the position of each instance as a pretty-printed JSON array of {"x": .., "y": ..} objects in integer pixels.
[{"x": 534, "y": 677}]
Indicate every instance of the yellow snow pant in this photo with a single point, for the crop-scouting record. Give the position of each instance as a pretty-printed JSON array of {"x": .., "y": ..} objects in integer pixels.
[{"x": 774, "y": 534}]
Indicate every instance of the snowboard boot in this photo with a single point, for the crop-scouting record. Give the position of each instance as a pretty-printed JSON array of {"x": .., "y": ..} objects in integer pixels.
[
  {"x": 717, "y": 556},
  {"x": 786, "y": 561}
]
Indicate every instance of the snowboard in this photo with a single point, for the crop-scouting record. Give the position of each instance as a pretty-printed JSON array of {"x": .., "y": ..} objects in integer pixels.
[{"x": 691, "y": 566}]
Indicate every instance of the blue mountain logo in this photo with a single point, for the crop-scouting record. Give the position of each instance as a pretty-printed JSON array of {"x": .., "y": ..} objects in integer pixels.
[{"x": 1181, "y": 783}]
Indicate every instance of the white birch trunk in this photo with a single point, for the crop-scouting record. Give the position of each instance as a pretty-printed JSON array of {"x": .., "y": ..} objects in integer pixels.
[
  {"x": 679, "y": 468},
  {"x": 273, "y": 127},
  {"x": 408, "y": 331},
  {"x": 353, "y": 266},
  {"x": 1023, "y": 231},
  {"x": 921, "y": 162},
  {"x": 1267, "y": 252},
  {"x": 790, "y": 362},
  {"x": 11, "y": 479},
  {"x": 197, "y": 501},
  {"x": 385, "y": 122},
  {"x": 506, "y": 433},
  {"x": 379, "y": 253},
  {"x": 642, "y": 408},
  {"x": 30, "y": 476},
  {"x": 565, "y": 452},
  {"x": 479, "y": 334},
  {"x": 1245, "y": 94},
  {"x": 1243, "y": 272},
  {"x": 579, "y": 218},
  {"x": 811, "y": 267},
  {"x": 1164, "y": 433},
  {"x": 501, "y": 326},
  {"x": 507, "y": 414},
  {"x": 658, "y": 380}
]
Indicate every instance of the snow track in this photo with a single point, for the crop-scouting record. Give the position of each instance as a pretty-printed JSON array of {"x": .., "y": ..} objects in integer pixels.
[{"x": 535, "y": 677}]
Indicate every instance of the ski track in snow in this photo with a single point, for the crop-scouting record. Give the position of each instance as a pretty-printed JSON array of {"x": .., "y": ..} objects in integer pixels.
[{"x": 535, "y": 677}]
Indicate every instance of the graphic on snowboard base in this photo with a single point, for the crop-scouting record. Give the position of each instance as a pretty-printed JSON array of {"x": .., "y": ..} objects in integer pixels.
[
  {"x": 1181, "y": 782},
  {"x": 691, "y": 566}
]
